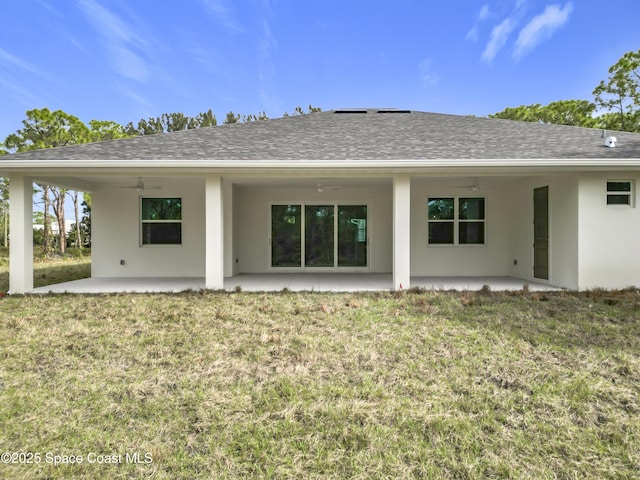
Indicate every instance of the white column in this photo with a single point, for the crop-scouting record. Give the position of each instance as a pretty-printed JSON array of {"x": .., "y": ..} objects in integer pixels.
[
  {"x": 229, "y": 260},
  {"x": 214, "y": 233},
  {"x": 401, "y": 232},
  {"x": 21, "y": 234}
]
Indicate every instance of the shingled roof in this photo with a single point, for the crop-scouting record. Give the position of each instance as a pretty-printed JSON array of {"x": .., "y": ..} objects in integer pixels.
[{"x": 366, "y": 134}]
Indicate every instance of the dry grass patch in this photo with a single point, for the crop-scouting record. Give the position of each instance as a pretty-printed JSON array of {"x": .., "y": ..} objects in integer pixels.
[{"x": 411, "y": 385}]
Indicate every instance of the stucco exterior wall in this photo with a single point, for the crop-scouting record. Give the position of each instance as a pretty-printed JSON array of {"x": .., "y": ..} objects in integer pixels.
[
  {"x": 252, "y": 217},
  {"x": 115, "y": 226},
  {"x": 563, "y": 229},
  {"x": 592, "y": 244},
  {"x": 609, "y": 235},
  {"x": 467, "y": 260}
]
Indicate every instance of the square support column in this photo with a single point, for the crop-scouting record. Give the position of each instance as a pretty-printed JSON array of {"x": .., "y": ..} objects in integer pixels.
[
  {"x": 214, "y": 233},
  {"x": 401, "y": 232},
  {"x": 227, "y": 201},
  {"x": 21, "y": 234}
]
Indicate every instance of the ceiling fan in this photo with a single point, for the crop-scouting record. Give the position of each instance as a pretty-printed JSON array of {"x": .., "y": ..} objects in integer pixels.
[
  {"x": 321, "y": 187},
  {"x": 474, "y": 186},
  {"x": 141, "y": 186}
]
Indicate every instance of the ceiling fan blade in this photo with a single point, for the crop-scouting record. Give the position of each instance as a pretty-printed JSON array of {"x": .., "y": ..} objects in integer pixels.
[
  {"x": 141, "y": 186},
  {"x": 321, "y": 187}
]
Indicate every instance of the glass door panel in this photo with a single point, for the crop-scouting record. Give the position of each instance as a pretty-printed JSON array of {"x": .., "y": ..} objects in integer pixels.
[
  {"x": 352, "y": 235},
  {"x": 286, "y": 236},
  {"x": 541, "y": 232},
  {"x": 319, "y": 236}
]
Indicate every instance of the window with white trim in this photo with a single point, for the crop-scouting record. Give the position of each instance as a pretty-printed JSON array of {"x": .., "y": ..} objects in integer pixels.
[
  {"x": 620, "y": 192},
  {"x": 456, "y": 220},
  {"x": 161, "y": 221}
]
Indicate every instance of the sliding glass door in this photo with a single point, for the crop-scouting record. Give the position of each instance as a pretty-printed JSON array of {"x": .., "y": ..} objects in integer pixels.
[
  {"x": 352, "y": 235},
  {"x": 319, "y": 236},
  {"x": 286, "y": 223}
]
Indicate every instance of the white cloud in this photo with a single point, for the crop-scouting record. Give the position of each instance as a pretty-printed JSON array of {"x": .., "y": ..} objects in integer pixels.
[
  {"x": 472, "y": 35},
  {"x": 142, "y": 102},
  {"x": 541, "y": 28},
  {"x": 498, "y": 40},
  {"x": 484, "y": 12},
  {"x": 267, "y": 43},
  {"x": 20, "y": 94},
  {"x": 222, "y": 14},
  {"x": 9, "y": 60},
  {"x": 427, "y": 75},
  {"x": 121, "y": 41}
]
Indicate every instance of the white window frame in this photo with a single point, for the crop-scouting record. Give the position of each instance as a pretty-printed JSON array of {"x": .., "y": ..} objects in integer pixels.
[
  {"x": 143, "y": 222},
  {"x": 457, "y": 221},
  {"x": 630, "y": 194}
]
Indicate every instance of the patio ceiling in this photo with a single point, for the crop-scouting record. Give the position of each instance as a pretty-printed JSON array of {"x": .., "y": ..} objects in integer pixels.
[{"x": 95, "y": 182}]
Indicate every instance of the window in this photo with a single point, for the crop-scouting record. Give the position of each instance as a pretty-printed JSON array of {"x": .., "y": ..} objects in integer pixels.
[
  {"x": 456, "y": 221},
  {"x": 161, "y": 221},
  {"x": 619, "y": 192},
  {"x": 330, "y": 235}
]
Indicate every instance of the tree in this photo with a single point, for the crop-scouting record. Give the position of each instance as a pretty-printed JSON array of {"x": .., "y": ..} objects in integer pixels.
[
  {"x": 578, "y": 113},
  {"x": 82, "y": 232},
  {"x": 46, "y": 222},
  {"x": 617, "y": 100},
  {"x": 205, "y": 119},
  {"x": 171, "y": 122},
  {"x": 299, "y": 111},
  {"x": 255, "y": 118},
  {"x": 101, "y": 130},
  {"x": 76, "y": 212},
  {"x": 46, "y": 129},
  {"x": 620, "y": 94},
  {"x": 231, "y": 118}
]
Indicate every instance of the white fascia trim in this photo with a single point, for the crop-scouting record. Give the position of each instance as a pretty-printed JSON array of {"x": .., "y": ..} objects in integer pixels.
[{"x": 390, "y": 166}]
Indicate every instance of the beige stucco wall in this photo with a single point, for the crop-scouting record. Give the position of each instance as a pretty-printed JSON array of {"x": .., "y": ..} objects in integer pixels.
[
  {"x": 252, "y": 217},
  {"x": 115, "y": 221},
  {"x": 609, "y": 235}
]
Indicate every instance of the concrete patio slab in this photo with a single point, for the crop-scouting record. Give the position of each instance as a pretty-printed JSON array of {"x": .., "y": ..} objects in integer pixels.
[{"x": 295, "y": 282}]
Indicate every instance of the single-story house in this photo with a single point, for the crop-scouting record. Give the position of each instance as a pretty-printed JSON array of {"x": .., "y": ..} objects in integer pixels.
[
  {"x": 55, "y": 228},
  {"x": 356, "y": 190}
]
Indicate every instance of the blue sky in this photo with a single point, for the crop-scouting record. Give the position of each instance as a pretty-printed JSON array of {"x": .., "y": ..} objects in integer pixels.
[{"x": 124, "y": 60}]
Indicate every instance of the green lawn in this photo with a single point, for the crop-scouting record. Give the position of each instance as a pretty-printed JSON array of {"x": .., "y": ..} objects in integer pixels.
[
  {"x": 310, "y": 385},
  {"x": 73, "y": 266}
]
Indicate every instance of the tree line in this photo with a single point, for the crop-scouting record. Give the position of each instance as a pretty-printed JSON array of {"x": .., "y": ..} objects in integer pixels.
[
  {"x": 615, "y": 105},
  {"x": 43, "y": 128}
]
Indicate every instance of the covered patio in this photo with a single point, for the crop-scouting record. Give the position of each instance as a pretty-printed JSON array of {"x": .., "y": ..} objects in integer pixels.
[{"x": 295, "y": 282}]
